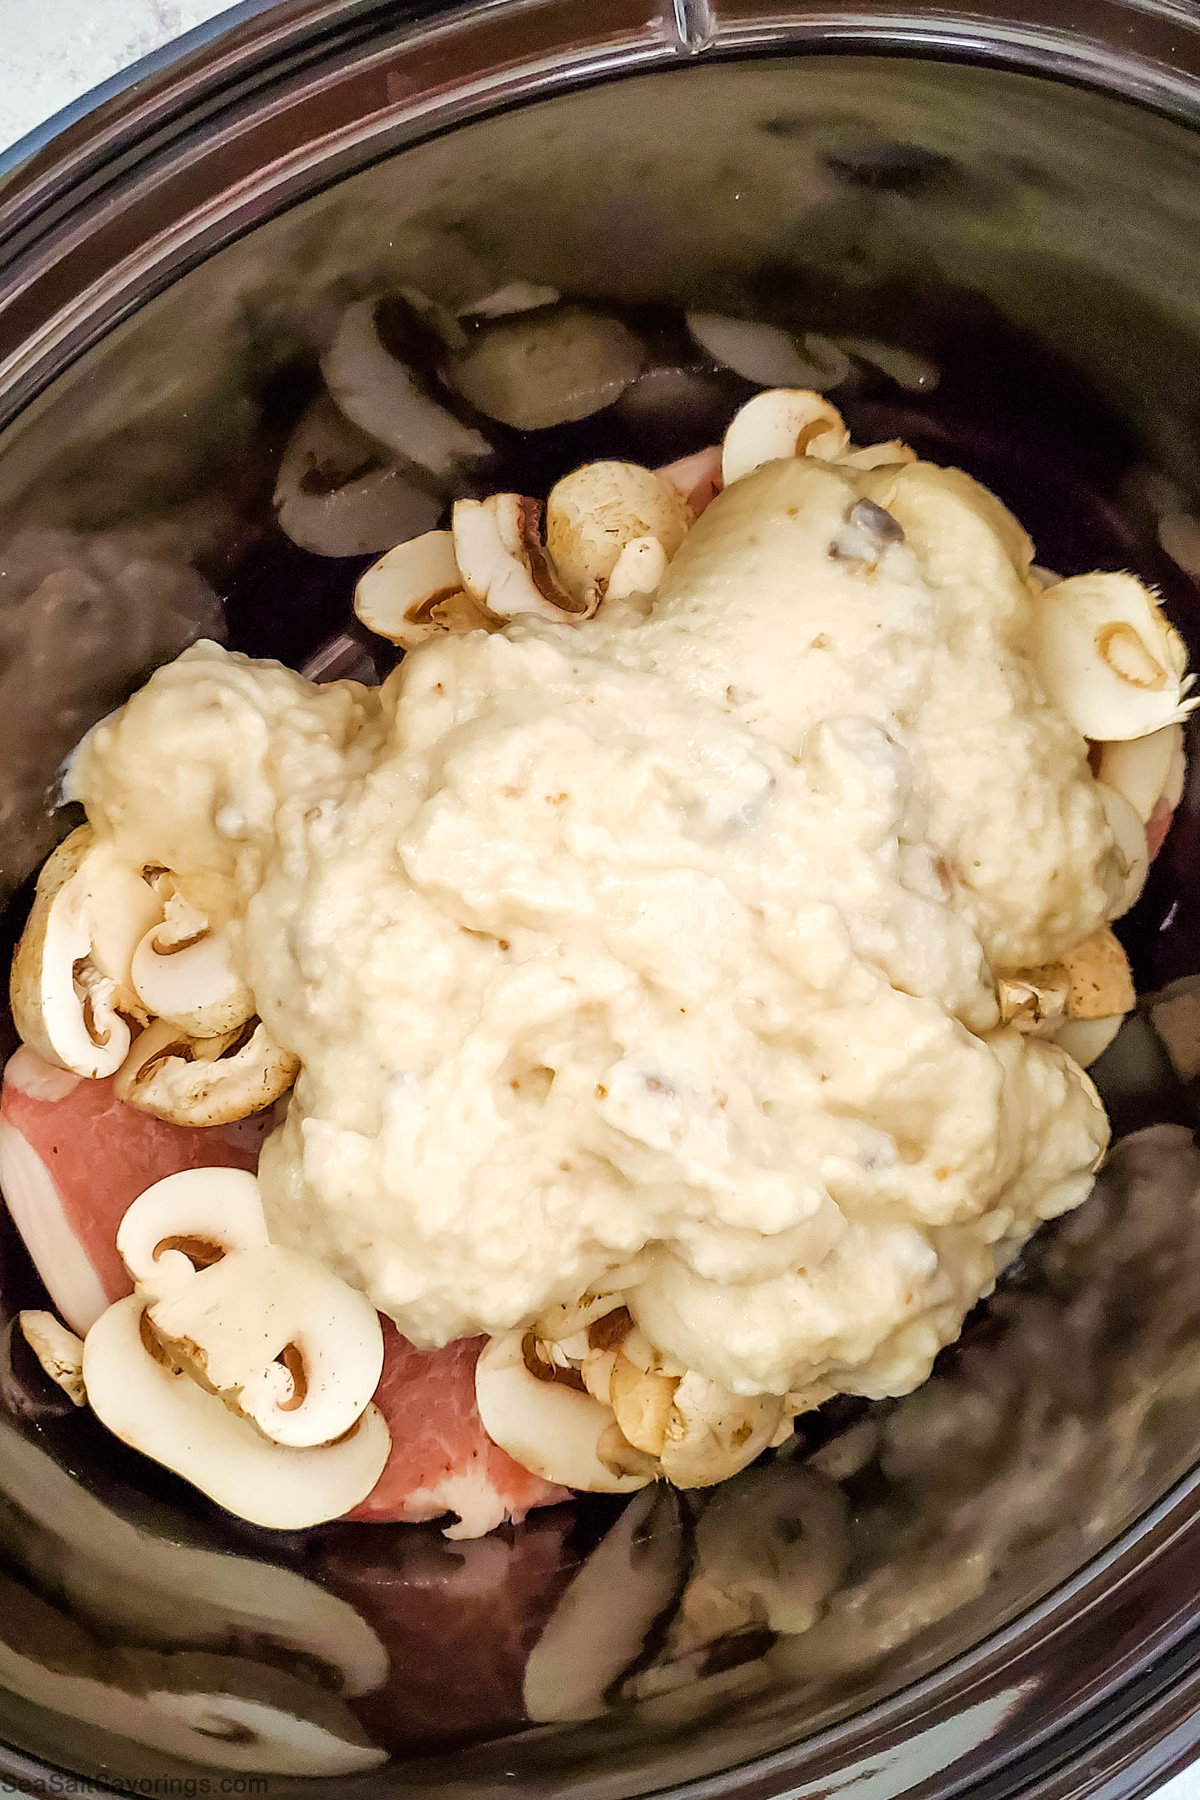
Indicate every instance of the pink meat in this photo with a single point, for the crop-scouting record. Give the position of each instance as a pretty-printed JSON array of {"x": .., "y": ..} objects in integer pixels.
[
  {"x": 442, "y": 1459},
  {"x": 73, "y": 1158},
  {"x": 697, "y": 477}
]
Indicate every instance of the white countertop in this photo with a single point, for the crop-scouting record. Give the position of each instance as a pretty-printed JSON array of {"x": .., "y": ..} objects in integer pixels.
[{"x": 53, "y": 51}]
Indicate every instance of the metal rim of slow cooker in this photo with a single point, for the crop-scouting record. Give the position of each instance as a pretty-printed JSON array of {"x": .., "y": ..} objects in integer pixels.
[{"x": 122, "y": 193}]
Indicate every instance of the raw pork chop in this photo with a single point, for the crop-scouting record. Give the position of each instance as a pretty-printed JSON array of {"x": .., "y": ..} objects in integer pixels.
[{"x": 73, "y": 1157}]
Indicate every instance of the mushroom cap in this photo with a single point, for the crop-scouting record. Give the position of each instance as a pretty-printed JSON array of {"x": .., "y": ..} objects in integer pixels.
[
  {"x": 404, "y": 596},
  {"x": 284, "y": 1341},
  {"x": 188, "y": 976},
  {"x": 550, "y": 1428},
  {"x": 548, "y": 367},
  {"x": 1107, "y": 658},
  {"x": 162, "y": 1412},
  {"x": 764, "y": 354},
  {"x": 782, "y": 423},
  {"x": 185, "y": 1222},
  {"x": 70, "y": 981},
  {"x": 339, "y": 493},
  {"x": 602, "y": 1621},
  {"x": 595, "y": 513},
  {"x": 385, "y": 399},
  {"x": 192, "y": 1081},
  {"x": 713, "y": 1433},
  {"x": 1086, "y": 1040},
  {"x": 1131, "y": 851},
  {"x": 1141, "y": 768}
]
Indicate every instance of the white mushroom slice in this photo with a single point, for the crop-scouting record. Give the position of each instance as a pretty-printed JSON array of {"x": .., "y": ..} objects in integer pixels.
[
  {"x": 594, "y": 514},
  {"x": 1140, "y": 768},
  {"x": 711, "y": 1433},
  {"x": 879, "y": 456},
  {"x": 139, "y": 1579},
  {"x": 566, "y": 1318},
  {"x": 550, "y": 1428},
  {"x": 58, "y": 1350},
  {"x": 772, "y": 1547},
  {"x": 165, "y": 1414},
  {"x": 387, "y": 401},
  {"x": 339, "y": 493},
  {"x": 602, "y": 1621},
  {"x": 1131, "y": 850},
  {"x": 1086, "y": 1040},
  {"x": 70, "y": 983},
  {"x": 783, "y": 423},
  {"x": 284, "y": 1341},
  {"x": 641, "y": 1401},
  {"x": 513, "y": 297},
  {"x": 764, "y": 354},
  {"x": 186, "y": 1222},
  {"x": 638, "y": 571},
  {"x": 1034, "y": 1000},
  {"x": 416, "y": 592},
  {"x": 183, "y": 971},
  {"x": 548, "y": 367},
  {"x": 907, "y": 368},
  {"x": 1107, "y": 658},
  {"x": 213, "y": 1711},
  {"x": 192, "y": 1081},
  {"x": 498, "y": 549},
  {"x": 1098, "y": 978}
]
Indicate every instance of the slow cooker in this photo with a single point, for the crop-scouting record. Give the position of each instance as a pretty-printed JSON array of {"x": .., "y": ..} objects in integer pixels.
[{"x": 1005, "y": 198}]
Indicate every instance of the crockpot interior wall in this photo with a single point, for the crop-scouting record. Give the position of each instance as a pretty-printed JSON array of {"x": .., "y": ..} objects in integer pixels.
[{"x": 961, "y": 213}]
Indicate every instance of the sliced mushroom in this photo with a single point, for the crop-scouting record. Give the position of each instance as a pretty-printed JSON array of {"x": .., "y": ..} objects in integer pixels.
[
  {"x": 548, "y": 367},
  {"x": 58, "y": 1350},
  {"x": 137, "y": 1576},
  {"x": 594, "y": 514},
  {"x": 782, "y": 423},
  {"x": 1131, "y": 850},
  {"x": 641, "y": 1400},
  {"x": 387, "y": 400},
  {"x": 1034, "y": 1000},
  {"x": 204, "y": 1081},
  {"x": 498, "y": 548},
  {"x": 1086, "y": 1040},
  {"x": 183, "y": 971},
  {"x": 1107, "y": 658},
  {"x": 284, "y": 1341},
  {"x": 638, "y": 571},
  {"x": 711, "y": 1433},
  {"x": 70, "y": 984},
  {"x": 187, "y": 1222},
  {"x": 550, "y": 1427},
  {"x": 907, "y": 368},
  {"x": 879, "y": 456},
  {"x": 416, "y": 592},
  {"x": 764, "y": 354},
  {"x": 604, "y": 1618},
  {"x": 341, "y": 493},
  {"x": 1099, "y": 983},
  {"x": 1141, "y": 768},
  {"x": 166, "y": 1415},
  {"x": 513, "y": 297},
  {"x": 222, "y": 1711},
  {"x": 770, "y": 1547}
]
